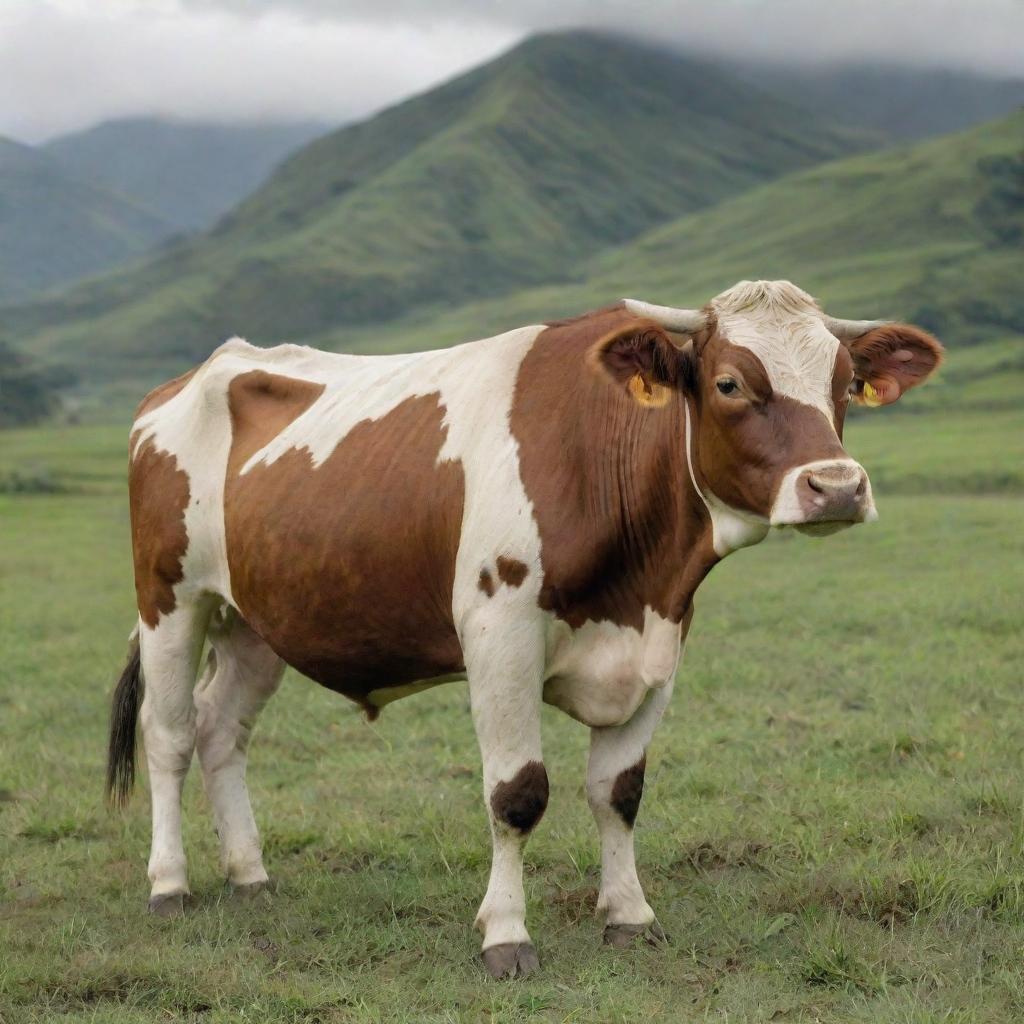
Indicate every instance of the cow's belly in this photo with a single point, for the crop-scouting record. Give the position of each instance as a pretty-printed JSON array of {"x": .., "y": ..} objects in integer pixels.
[
  {"x": 601, "y": 673},
  {"x": 369, "y": 646}
]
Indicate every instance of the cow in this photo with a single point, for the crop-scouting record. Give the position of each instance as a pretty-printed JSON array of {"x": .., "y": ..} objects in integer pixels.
[{"x": 532, "y": 513}]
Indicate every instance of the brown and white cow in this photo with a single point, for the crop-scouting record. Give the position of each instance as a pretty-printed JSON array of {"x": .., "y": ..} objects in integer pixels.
[{"x": 532, "y": 512}]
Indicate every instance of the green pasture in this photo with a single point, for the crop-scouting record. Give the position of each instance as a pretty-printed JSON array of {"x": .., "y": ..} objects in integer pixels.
[{"x": 832, "y": 829}]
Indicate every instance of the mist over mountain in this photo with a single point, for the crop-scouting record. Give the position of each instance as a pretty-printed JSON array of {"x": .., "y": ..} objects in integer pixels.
[
  {"x": 55, "y": 228},
  {"x": 189, "y": 173},
  {"x": 901, "y": 103}
]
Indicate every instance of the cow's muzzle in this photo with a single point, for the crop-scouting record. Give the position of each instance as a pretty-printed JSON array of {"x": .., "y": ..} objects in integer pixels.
[{"x": 825, "y": 495}]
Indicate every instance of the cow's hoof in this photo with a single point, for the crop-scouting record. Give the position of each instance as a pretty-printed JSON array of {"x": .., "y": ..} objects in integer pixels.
[
  {"x": 168, "y": 904},
  {"x": 249, "y": 891},
  {"x": 511, "y": 960},
  {"x": 622, "y": 936}
]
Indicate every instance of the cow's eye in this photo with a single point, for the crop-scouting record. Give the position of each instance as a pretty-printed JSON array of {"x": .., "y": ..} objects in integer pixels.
[{"x": 727, "y": 386}]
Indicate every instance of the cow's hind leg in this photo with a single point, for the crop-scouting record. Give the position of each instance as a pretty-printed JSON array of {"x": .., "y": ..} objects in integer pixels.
[
  {"x": 241, "y": 676},
  {"x": 615, "y": 782},
  {"x": 169, "y": 655},
  {"x": 505, "y": 692}
]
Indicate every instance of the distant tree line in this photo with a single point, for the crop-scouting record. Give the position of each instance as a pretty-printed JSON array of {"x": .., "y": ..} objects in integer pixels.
[{"x": 29, "y": 391}]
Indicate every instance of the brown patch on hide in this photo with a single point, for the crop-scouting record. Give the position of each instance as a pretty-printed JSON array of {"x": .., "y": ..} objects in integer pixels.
[
  {"x": 511, "y": 571},
  {"x": 522, "y": 800},
  {"x": 261, "y": 405},
  {"x": 346, "y": 569},
  {"x": 158, "y": 495},
  {"x": 628, "y": 790}
]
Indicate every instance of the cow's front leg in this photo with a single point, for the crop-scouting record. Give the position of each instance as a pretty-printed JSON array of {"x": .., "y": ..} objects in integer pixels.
[
  {"x": 505, "y": 690},
  {"x": 615, "y": 784}
]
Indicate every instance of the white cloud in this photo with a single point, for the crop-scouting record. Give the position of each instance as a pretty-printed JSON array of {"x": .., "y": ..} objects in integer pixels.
[
  {"x": 65, "y": 64},
  {"x": 983, "y": 35}
]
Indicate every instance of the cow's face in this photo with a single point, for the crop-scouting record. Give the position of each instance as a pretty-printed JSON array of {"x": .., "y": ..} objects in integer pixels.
[{"x": 770, "y": 381}]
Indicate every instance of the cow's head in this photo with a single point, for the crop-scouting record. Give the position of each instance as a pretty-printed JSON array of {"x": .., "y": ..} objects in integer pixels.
[{"x": 769, "y": 378}]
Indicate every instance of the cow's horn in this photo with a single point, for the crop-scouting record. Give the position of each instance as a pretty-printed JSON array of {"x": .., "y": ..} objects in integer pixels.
[
  {"x": 847, "y": 330},
  {"x": 684, "y": 321}
]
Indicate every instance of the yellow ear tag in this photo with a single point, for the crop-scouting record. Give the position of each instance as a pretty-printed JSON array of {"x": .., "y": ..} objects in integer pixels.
[
  {"x": 871, "y": 397},
  {"x": 650, "y": 395}
]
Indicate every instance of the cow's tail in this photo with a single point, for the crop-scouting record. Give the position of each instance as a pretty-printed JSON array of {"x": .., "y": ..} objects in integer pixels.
[{"x": 124, "y": 713}]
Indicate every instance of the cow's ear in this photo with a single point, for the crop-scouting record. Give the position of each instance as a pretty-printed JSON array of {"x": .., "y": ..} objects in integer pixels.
[
  {"x": 641, "y": 358},
  {"x": 891, "y": 359}
]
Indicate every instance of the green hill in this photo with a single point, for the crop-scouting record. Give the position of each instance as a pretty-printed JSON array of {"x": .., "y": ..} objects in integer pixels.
[
  {"x": 55, "y": 228},
  {"x": 932, "y": 232},
  {"x": 514, "y": 174},
  {"x": 189, "y": 173}
]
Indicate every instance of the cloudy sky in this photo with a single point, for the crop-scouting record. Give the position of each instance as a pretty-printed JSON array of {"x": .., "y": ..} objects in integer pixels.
[{"x": 66, "y": 64}]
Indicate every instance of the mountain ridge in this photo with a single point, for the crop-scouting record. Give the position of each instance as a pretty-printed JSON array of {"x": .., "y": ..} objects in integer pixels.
[
  {"x": 931, "y": 232},
  {"x": 508, "y": 176}
]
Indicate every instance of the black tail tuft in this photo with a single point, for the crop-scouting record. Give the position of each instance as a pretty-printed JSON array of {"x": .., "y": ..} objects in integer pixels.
[{"x": 124, "y": 711}]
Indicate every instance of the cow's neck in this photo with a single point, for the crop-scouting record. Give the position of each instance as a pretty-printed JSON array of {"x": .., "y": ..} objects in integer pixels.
[
  {"x": 623, "y": 524},
  {"x": 653, "y": 541},
  {"x": 688, "y": 549}
]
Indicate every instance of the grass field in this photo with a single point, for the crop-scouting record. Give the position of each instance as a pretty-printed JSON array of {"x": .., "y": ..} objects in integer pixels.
[{"x": 832, "y": 829}]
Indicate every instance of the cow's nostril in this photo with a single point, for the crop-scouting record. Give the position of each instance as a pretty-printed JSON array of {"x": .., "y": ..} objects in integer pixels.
[
  {"x": 862, "y": 487},
  {"x": 815, "y": 485}
]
